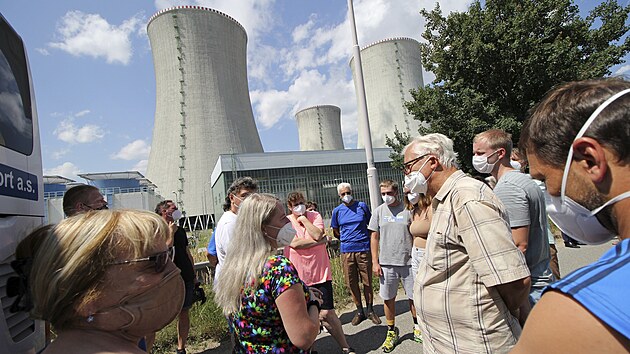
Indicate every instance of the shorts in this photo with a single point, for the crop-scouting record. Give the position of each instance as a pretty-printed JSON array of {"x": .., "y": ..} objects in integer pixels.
[
  {"x": 390, "y": 278},
  {"x": 327, "y": 294},
  {"x": 188, "y": 297},
  {"x": 417, "y": 254}
]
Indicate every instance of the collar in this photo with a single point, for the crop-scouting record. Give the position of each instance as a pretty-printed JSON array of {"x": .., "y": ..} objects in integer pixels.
[{"x": 449, "y": 184}]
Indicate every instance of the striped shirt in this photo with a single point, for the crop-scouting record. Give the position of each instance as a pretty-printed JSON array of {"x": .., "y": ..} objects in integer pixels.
[{"x": 469, "y": 251}]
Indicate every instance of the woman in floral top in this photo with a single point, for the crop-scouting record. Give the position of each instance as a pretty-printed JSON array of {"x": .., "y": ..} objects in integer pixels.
[{"x": 272, "y": 310}]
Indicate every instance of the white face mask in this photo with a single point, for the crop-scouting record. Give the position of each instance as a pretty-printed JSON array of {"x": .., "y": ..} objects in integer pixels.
[
  {"x": 413, "y": 198},
  {"x": 388, "y": 199},
  {"x": 176, "y": 215},
  {"x": 299, "y": 209},
  {"x": 416, "y": 182},
  {"x": 572, "y": 218},
  {"x": 286, "y": 234},
  {"x": 347, "y": 198},
  {"x": 480, "y": 163},
  {"x": 515, "y": 165}
]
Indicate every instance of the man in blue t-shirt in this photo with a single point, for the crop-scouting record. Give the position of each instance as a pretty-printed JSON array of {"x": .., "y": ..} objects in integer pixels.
[
  {"x": 577, "y": 141},
  {"x": 349, "y": 223}
]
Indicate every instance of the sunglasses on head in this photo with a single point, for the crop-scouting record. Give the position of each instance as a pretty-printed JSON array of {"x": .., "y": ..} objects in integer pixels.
[{"x": 160, "y": 259}]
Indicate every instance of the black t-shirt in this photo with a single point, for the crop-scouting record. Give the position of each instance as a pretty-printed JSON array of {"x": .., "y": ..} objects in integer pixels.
[{"x": 181, "y": 256}]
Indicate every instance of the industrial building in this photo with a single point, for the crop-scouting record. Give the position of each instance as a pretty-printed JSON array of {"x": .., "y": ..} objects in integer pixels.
[
  {"x": 314, "y": 173},
  {"x": 319, "y": 128},
  {"x": 203, "y": 107},
  {"x": 122, "y": 190},
  {"x": 391, "y": 68}
]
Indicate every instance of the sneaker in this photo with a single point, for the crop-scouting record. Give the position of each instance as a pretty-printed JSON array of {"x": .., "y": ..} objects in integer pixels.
[
  {"x": 417, "y": 335},
  {"x": 181, "y": 351},
  {"x": 348, "y": 351},
  {"x": 390, "y": 341},
  {"x": 358, "y": 318},
  {"x": 374, "y": 318}
]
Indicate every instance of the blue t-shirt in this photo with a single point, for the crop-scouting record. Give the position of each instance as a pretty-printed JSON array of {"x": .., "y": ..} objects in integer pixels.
[
  {"x": 602, "y": 287},
  {"x": 212, "y": 246},
  {"x": 352, "y": 221}
]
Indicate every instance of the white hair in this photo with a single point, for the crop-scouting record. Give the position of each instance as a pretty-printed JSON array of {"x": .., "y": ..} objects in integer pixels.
[
  {"x": 435, "y": 144},
  {"x": 343, "y": 185}
]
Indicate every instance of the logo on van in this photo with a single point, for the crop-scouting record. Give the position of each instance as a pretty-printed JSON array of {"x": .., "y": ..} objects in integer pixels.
[{"x": 17, "y": 183}]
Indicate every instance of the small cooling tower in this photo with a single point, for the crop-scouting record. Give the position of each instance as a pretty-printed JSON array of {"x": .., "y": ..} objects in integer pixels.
[
  {"x": 391, "y": 68},
  {"x": 319, "y": 128},
  {"x": 202, "y": 101}
]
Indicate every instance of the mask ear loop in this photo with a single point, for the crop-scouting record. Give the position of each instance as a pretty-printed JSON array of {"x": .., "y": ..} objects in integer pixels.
[{"x": 580, "y": 133}]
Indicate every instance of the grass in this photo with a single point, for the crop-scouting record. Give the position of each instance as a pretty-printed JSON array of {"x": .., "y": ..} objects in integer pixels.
[{"x": 207, "y": 321}]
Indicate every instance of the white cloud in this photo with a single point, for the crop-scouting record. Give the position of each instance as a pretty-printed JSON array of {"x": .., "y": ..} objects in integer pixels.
[
  {"x": 42, "y": 51},
  {"x": 69, "y": 132},
  {"x": 141, "y": 166},
  {"x": 56, "y": 155},
  {"x": 309, "y": 89},
  {"x": 137, "y": 149},
  {"x": 91, "y": 35},
  {"x": 622, "y": 70},
  {"x": 66, "y": 169},
  {"x": 82, "y": 113}
]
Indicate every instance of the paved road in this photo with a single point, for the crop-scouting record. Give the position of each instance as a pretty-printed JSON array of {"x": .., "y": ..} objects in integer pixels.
[{"x": 367, "y": 338}]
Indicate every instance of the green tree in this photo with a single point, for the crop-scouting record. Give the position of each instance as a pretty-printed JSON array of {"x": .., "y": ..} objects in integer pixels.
[{"x": 495, "y": 61}]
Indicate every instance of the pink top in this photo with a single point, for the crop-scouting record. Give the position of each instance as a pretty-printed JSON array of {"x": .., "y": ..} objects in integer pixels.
[{"x": 312, "y": 264}]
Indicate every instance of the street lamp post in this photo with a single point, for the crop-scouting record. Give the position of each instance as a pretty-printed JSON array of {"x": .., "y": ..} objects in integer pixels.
[{"x": 372, "y": 174}]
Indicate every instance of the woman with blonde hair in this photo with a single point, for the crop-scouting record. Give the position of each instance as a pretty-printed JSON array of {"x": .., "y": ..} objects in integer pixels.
[
  {"x": 420, "y": 207},
  {"x": 271, "y": 309},
  {"x": 104, "y": 279}
]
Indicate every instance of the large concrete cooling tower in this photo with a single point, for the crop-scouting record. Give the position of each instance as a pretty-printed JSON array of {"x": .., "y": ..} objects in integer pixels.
[
  {"x": 202, "y": 101},
  {"x": 391, "y": 68},
  {"x": 319, "y": 128}
]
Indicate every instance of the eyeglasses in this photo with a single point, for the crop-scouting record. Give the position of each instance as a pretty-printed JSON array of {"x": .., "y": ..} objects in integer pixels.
[
  {"x": 345, "y": 193},
  {"x": 160, "y": 259},
  {"x": 407, "y": 166},
  {"x": 102, "y": 207}
]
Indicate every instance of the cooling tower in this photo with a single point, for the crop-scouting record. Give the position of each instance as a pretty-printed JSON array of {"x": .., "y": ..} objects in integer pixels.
[
  {"x": 319, "y": 128},
  {"x": 391, "y": 68},
  {"x": 202, "y": 101}
]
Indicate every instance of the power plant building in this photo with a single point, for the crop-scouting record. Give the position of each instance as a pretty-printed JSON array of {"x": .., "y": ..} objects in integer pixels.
[
  {"x": 319, "y": 128},
  {"x": 314, "y": 173},
  {"x": 203, "y": 108},
  {"x": 391, "y": 68}
]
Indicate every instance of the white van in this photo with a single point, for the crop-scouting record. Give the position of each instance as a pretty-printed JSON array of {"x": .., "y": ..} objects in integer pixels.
[{"x": 21, "y": 184}]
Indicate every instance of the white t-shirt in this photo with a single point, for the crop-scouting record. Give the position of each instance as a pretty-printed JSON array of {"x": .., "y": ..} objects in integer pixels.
[{"x": 222, "y": 236}]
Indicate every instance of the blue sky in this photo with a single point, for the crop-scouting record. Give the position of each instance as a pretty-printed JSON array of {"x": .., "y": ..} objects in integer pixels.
[{"x": 94, "y": 81}]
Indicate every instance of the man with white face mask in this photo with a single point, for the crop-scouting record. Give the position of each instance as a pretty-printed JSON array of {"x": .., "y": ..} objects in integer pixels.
[
  {"x": 577, "y": 141},
  {"x": 240, "y": 189},
  {"x": 472, "y": 278},
  {"x": 349, "y": 223},
  {"x": 391, "y": 255},
  {"x": 308, "y": 254},
  {"x": 525, "y": 204}
]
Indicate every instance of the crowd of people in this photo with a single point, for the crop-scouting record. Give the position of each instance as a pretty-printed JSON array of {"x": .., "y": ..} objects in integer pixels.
[{"x": 476, "y": 263}]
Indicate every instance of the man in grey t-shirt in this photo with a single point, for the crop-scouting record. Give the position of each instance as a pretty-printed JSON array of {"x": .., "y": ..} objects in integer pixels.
[
  {"x": 391, "y": 255},
  {"x": 524, "y": 201}
]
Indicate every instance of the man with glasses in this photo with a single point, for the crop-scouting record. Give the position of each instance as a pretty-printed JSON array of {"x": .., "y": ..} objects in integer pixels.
[
  {"x": 184, "y": 261},
  {"x": 349, "y": 223},
  {"x": 472, "y": 279},
  {"x": 82, "y": 198},
  {"x": 391, "y": 255}
]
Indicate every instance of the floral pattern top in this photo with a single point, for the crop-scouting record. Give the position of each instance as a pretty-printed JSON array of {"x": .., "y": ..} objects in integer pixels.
[{"x": 258, "y": 326}]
